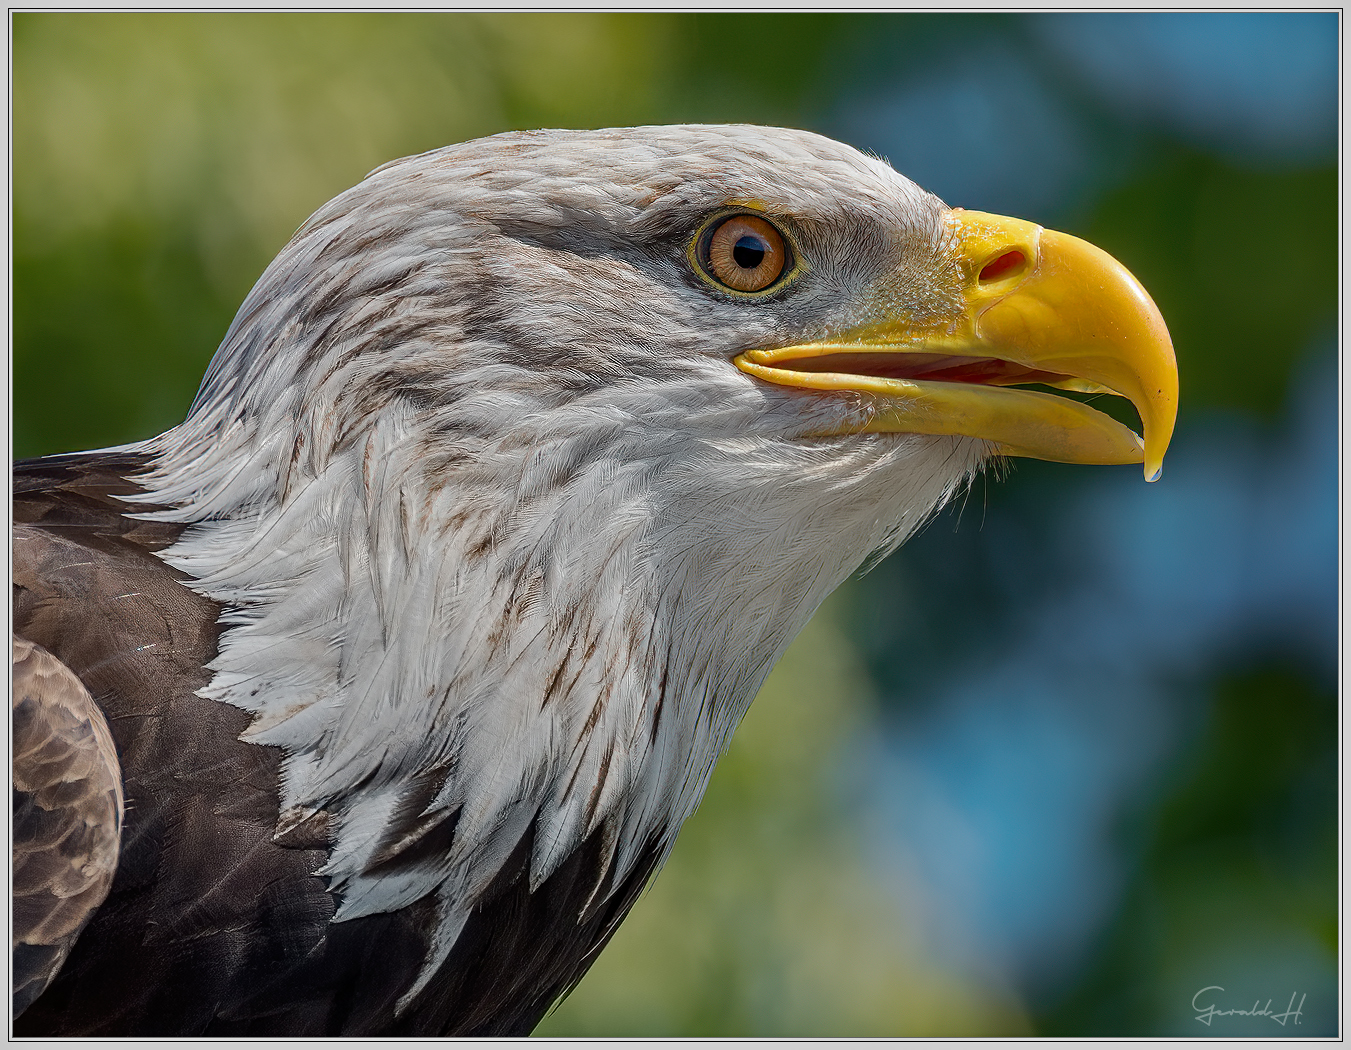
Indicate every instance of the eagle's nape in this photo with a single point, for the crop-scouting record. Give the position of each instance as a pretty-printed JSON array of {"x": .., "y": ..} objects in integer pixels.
[{"x": 517, "y": 470}]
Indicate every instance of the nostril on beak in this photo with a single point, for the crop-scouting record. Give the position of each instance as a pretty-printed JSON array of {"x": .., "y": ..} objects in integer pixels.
[{"x": 1008, "y": 264}]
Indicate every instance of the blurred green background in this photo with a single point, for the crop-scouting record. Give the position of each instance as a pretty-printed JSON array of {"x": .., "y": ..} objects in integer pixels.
[{"x": 1071, "y": 755}]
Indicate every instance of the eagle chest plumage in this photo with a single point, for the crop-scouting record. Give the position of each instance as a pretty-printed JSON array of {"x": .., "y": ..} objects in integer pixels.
[{"x": 367, "y": 700}]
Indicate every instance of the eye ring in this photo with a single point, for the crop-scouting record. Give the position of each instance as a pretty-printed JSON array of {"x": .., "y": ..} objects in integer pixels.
[{"x": 743, "y": 253}]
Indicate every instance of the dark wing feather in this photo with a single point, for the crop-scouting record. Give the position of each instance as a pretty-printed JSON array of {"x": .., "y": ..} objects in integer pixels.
[
  {"x": 204, "y": 904},
  {"x": 67, "y": 815}
]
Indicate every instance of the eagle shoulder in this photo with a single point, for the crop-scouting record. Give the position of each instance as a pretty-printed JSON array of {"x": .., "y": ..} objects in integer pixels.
[{"x": 194, "y": 902}]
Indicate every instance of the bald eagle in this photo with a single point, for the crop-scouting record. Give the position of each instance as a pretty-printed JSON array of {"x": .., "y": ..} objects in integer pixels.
[{"x": 367, "y": 699}]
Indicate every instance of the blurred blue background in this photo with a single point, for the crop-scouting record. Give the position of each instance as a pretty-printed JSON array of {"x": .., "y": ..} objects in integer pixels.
[{"x": 1066, "y": 759}]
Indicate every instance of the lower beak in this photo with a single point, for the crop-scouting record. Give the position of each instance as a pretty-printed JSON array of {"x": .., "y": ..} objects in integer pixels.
[{"x": 1036, "y": 307}]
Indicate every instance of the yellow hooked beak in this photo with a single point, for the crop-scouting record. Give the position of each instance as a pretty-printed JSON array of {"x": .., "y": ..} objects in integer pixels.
[{"x": 1035, "y": 307}]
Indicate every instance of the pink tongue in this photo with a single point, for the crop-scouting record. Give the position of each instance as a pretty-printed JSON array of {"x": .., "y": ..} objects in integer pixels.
[{"x": 938, "y": 367}]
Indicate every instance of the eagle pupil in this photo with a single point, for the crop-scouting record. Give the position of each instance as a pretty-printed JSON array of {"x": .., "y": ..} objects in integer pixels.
[{"x": 749, "y": 252}]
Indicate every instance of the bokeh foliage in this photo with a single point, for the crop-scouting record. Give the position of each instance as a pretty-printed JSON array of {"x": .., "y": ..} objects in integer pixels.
[
  {"x": 1239, "y": 847},
  {"x": 160, "y": 160},
  {"x": 1243, "y": 263}
]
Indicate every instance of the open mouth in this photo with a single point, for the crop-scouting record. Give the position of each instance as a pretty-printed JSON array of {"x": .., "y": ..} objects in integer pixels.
[
  {"x": 917, "y": 392},
  {"x": 940, "y": 368}
]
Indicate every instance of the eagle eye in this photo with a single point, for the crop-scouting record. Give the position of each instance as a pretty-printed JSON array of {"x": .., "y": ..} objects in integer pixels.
[{"x": 744, "y": 253}]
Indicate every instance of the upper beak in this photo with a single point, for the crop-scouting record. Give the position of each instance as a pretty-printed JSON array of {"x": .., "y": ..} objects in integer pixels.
[{"x": 1035, "y": 306}]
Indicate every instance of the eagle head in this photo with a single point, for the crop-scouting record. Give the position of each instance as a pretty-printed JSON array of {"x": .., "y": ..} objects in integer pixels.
[{"x": 527, "y": 457}]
